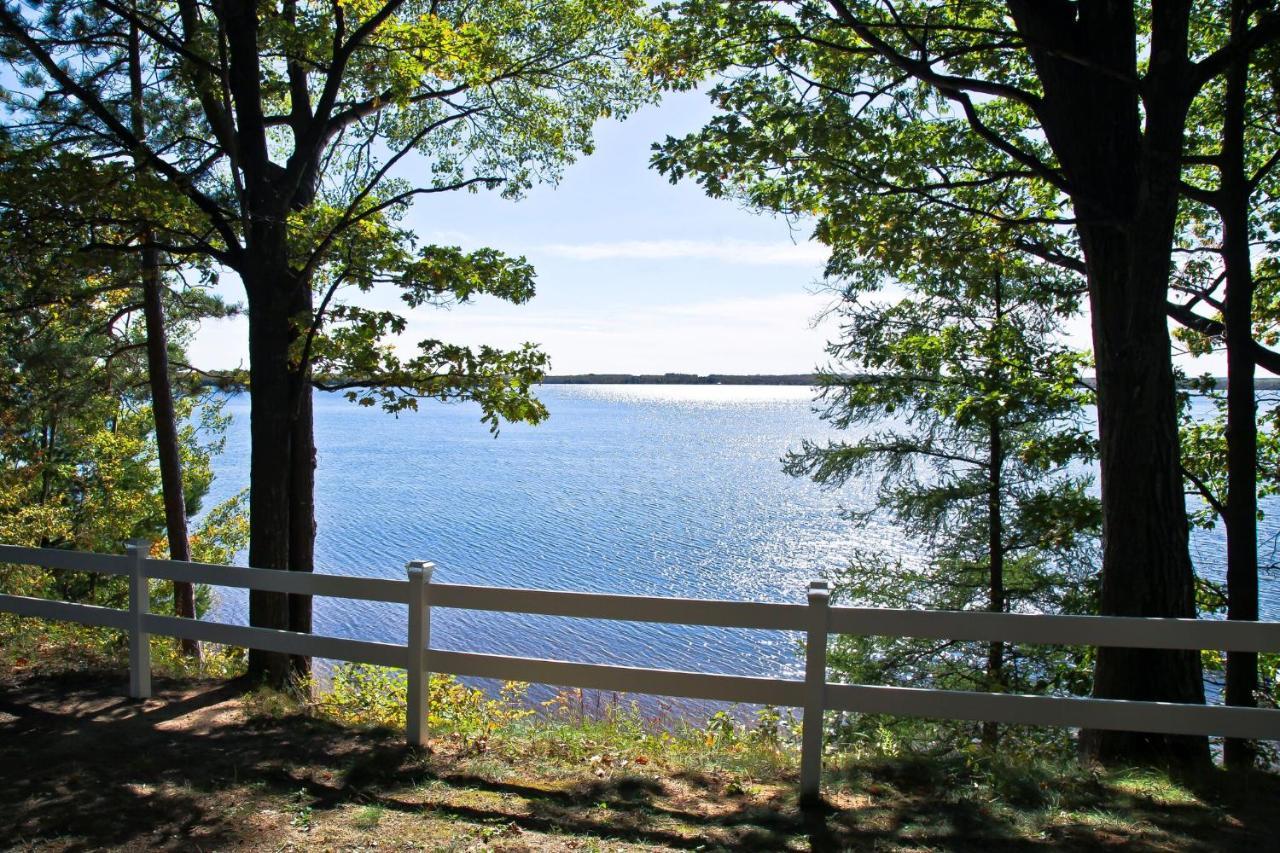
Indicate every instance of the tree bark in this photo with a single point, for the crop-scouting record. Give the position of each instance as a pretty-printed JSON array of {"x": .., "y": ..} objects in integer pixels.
[
  {"x": 1119, "y": 144},
  {"x": 1146, "y": 564},
  {"x": 271, "y": 426},
  {"x": 995, "y": 571},
  {"x": 302, "y": 517},
  {"x": 162, "y": 408},
  {"x": 281, "y": 518},
  {"x": 282, "y": 456},
  {"x": 1241, "y": 505}
]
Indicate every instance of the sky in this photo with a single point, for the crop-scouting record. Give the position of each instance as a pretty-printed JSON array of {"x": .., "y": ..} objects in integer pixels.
[{"x": 634, "y": 275}]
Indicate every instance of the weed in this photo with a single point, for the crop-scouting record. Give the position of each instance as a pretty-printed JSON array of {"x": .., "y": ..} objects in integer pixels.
[
  {"x": 367, "y": 817},
  {"x": 299, "y": 810}
]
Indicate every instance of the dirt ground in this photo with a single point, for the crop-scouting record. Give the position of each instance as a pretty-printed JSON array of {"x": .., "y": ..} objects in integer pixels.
[{"x": 196, "y": 768}]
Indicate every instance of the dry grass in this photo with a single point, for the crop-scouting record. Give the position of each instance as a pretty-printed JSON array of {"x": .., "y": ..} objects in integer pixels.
[{"x": 204, "y": 766}]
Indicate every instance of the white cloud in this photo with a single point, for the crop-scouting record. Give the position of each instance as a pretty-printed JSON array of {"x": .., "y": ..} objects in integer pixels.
[
  {"x": 747, "y": 335},
  {"x": 724, "y": 251},
  {"x": 772, "y": 334}
]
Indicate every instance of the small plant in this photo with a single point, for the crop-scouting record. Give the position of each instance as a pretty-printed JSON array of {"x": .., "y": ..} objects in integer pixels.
[
  {"x": 364, "y": 695},
  {"x": 299, "y": 811},
  {"x": 368, "y": 817},
  {"x": 266, "y": 701},
  {"x": 773, "y": 729},
  {"x": 215, "y": 661},
  {"x": 604, "y": 731},
  {"x": 722, "y": 729}
]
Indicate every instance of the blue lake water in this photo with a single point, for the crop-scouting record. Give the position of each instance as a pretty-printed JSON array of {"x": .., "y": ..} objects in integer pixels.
[{"x": 654, "y": 490}]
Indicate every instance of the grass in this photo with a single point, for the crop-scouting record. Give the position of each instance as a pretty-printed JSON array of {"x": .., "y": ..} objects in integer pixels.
[
  {"x": 367, "y": 818},
  {"x": 212, "y": 764},
  {"x": 204, "y": 765}
]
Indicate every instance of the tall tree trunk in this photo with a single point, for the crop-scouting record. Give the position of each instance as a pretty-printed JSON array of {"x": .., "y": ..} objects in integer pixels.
[
  {"x": 1147, "y": 567},
  {"x": 1121, "y": 156},
  {"x": 281, "y": 514},
  {"x": 271, "y": 425},
  {"x": 302, "y": 516},
  {"x": 282, "y": 462},
  {"x": 1146, "y": 563},
  {"x": 162, "y": 408},
  {"x": 1241, "y": 515},
  {"x": 995, "y": 570}
]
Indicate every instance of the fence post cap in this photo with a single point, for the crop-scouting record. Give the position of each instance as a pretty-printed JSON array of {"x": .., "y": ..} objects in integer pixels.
[
  {"x": 422, "y": 568},
  {"x": 138, "y": 544},
  {"x": 819, "y": 588}
]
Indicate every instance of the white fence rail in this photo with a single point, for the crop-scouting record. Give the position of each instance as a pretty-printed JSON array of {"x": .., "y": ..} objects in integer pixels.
[{"x": 816, "y": 619}]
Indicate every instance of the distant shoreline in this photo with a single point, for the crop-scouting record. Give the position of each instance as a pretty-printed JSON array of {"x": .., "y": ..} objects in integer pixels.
[
  {"x": 807, "y": 379},
  {"x": 236, "y": 383}
]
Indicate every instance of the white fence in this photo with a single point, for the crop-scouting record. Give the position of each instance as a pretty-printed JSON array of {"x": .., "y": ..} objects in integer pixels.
[{"x": 816, "y": 619}]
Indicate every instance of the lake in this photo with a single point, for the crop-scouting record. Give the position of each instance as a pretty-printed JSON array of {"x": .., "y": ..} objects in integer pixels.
[{"x": 670, "y": 490}]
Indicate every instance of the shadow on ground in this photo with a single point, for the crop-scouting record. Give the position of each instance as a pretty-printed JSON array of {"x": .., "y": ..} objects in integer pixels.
[{"x": 82, "y": 768}]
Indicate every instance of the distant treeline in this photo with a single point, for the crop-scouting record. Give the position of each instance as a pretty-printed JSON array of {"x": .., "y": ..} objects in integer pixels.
[
  {"x": 238, "y": 380},
  {"x": 810, "y": 379},
  {"x": 682, "y": 379}
]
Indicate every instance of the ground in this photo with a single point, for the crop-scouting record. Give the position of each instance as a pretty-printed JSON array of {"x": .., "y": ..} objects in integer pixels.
[{"x": 202, "y": 767}]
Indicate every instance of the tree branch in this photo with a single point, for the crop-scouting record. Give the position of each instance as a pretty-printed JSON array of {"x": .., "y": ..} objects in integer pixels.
[
  {"x": 1267, "y": 31},
  {"x": 1266, "y": 358},
  {"x": 118, "y": 129},
  {"x": 1203, "y": 491},
  {"x": 924, "y": 71}
]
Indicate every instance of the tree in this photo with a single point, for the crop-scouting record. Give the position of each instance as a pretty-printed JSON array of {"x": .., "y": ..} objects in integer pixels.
[
  {"x": 1229, "y": 184},
  {"x": 1063, "y": 121},
  {"x": 151, "y": 276},
  {"x": 85, "y": 228},
  {"x": 78, "y": 456},
  {"x": 78, "y": 469},
  {"x": 968, "y": 414},
  {"x": 288, "y": 129}
]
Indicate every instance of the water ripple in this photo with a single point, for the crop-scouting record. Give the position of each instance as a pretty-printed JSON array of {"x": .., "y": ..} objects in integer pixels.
[{"x": 655, "y": 490}]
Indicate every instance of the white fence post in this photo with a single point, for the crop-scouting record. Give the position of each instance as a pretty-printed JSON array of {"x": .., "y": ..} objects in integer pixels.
[
  {"x": 417, "y": 703},
  {"x": 815, "y": 688},
  {"x": 139, "y": 604}
]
